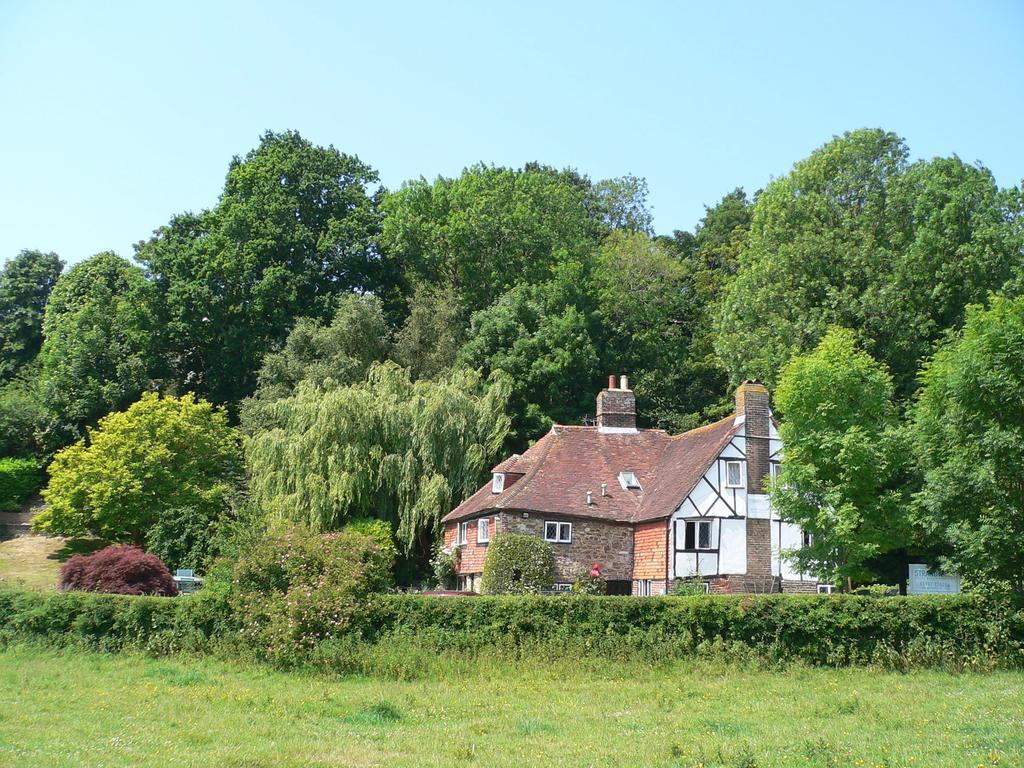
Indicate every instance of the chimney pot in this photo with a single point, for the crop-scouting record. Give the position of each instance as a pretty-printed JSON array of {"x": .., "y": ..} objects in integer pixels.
[
  {"x": 604, "y": 489},
  {"x": 590, "y": 499},
  {"x": 611, "y": 381},
  {"x": 624, "y": 382}
]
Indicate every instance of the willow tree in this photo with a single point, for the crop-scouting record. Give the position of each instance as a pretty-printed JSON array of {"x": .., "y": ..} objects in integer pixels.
[{"x": 391, "y": 448}]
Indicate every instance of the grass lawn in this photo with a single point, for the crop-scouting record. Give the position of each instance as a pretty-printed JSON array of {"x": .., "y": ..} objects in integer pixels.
[
  {"x": 81, "y": 709},
  {"x": 34, "y": 562}
]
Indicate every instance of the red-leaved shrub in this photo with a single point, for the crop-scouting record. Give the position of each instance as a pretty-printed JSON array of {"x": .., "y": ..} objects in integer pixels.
[{"x": 121, "y": 570}]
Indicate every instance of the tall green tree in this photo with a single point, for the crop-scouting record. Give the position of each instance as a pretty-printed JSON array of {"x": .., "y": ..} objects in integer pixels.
[
  {"x": 541, "y": 337},
  {"x": 654, "y": 326},
  {"x": 969, "y": 438},
  {"x": 487, "y": 230},
  {"x": 138, "y": 466},
  {"x": 856, "y": 236},
  {"x": 294, "y": 227},
  {"x": 388, "y": 448},
  {"x": 434, "y": 330},
  {"x": 321, "y": 356},
  {"x": 845, "y": 473},
  {"x": 25, "y": 285},
  {"x": 100, "y": 344}
]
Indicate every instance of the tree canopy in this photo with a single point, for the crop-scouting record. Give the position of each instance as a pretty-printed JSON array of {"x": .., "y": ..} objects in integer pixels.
[
  {"x": 100, "y": 347},
  {"x": 294, "y": 228},
  {"x": 25, "y": 285},
  {"x": 844, "y": 475},
  {"x": 390, "y": 448},
  {"x": 160, "y": 456},
  {"x": 969, "y": 434},
  {"x": 856, "y": 236}
]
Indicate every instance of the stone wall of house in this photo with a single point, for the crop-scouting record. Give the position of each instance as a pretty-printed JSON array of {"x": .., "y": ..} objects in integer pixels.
[
  {"x": 593, "y": 541},
  {"x": 735, "y": 585},
  {"x": 650, "y": 550}
]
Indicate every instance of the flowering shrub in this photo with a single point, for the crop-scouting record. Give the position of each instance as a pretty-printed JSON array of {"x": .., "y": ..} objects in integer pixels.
[
  {"x": 517, "y": 564},
  {"x": 120, "y": 570},
  {"x": 296, "y": 588},
  {"x": 590, "y": 582}
]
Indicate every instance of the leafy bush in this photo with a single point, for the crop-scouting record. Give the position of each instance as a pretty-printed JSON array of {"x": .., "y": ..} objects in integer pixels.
[
  {"x": 445, "y": 568},
  {"x": 187, "y": 537},
  {"x": 118, "y": 570},
  {"x": 161, "y": 456},
  {"x": 590, "y": 582},
  {"x": 297, "y": 588},
  {"x": 410, "y": 635},
  {"x": 19, "y": 479},
  {"x": 517, "y": 564},
  {"x": 687, "y": 587},
  {"x": 22, "y": 414}
]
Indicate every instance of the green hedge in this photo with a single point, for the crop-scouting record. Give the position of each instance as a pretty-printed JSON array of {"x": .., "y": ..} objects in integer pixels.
[
  {"x": 116, "y": 622},
  {"x": 959, "y": 631},
  {"x": 947, "y": 631},
  {"x": 19, "y": 479}
]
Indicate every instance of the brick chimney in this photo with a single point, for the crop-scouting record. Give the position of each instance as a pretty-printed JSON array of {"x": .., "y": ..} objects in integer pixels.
[
  {"x": 752, "y": 404},
  {"x": 616, "y": 407}
]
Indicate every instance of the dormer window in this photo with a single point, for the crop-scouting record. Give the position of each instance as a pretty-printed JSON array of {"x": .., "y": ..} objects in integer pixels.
[
  {"x": 498, "y": 482},
  {"x": 733, "y": 474},
  {"x": 628, "y": 481}
]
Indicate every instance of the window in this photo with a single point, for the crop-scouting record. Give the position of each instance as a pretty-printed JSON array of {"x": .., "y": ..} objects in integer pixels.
[
  {"x": 563, "y": 586},
  {"x": 733, "y": 474},
  {"x": 825, "y": 589},
  {"x": 643, "y": 588},
  {"x": 629, "y": 481},
  {"x": 698, "y": 534},
  {"x": 559, "y": 533},
  {"x": 498, "y": 482},
  {"x": 806, "y": 538},
  {"x": 483, "y": 530},
  {"x": 461, "y": 535},
  {"x": 776, "y": 468}
]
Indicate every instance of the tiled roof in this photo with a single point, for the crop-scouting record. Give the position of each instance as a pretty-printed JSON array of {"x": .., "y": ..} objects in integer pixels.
[{"x": 567, "y": 462}]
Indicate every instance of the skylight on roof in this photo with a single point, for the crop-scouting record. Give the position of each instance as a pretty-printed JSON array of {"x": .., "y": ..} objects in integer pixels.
[{"x": 628, "y": 480}]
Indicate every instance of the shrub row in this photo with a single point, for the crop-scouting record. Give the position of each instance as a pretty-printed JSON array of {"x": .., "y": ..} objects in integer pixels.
[
  {"x": 957, "y": 631},
  {"x": 948, "y": 631},
  {"x": 199, "y": 623},
  {"x": 19, "y": 479}
]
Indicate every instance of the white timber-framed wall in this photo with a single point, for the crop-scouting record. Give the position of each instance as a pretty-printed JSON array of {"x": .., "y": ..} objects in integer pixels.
[{"x": 727, "y": 510}]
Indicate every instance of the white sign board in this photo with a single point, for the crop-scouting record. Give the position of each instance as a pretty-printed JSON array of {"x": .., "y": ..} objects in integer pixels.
[{"x": 921, "y": 581}]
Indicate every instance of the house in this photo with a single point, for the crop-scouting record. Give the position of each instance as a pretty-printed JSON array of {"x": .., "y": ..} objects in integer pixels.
[{"x": 649, "y": 507}]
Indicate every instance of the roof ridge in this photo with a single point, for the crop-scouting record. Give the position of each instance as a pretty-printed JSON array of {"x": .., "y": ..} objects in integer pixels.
[{"x": 705, "y": 427}]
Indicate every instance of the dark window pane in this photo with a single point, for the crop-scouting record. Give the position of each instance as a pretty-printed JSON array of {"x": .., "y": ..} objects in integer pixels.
[
  {"x": 689, "y": 536},
  {"x": 705, "y": 536}
]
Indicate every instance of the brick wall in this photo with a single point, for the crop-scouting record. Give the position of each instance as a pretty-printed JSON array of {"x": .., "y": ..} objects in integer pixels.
[
  {"x": 593, "y": 541},
  {"x": 752, "y": 403},
  {"x": 800, "y": 587},
  {"x": 472, "y": 555},
  {"x": 650, "y": 547},
  {"x": 759, "y": 547},
  {"x": 616, "y": 408}
]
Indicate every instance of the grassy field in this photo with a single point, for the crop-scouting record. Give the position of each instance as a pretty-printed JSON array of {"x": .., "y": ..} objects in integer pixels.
[
  {"x": 34, "y": 562},
  {"x": 64, "y": 709}
]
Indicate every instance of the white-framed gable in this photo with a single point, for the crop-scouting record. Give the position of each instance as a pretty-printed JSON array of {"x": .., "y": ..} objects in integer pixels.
[{"x": 726, "y": 506}]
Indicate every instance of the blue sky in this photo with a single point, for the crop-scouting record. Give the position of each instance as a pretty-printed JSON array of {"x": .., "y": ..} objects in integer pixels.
[{"x": 117, "y": 115}]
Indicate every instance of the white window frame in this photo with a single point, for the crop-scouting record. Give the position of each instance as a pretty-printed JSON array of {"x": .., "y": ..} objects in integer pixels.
[
  {"x": 739, "y": 470},
  {"x": 826, "y": 589},
  {"x": 562, "y": 586},
  {"x": 644, "y": 587},
  {"x": 483, "y": 530},
  {"x": 776, "y": 469},
  {"x": 559, "y": 528},
  {"x": 462, "y": 534},
  {"x": 498, "y": 482},
  {"x": 696, "y": 535},
  {"x": 629, "y": 481}
]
